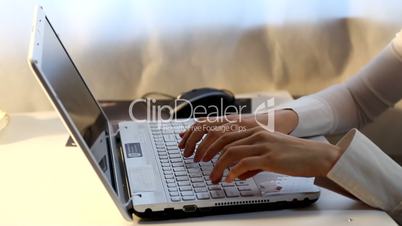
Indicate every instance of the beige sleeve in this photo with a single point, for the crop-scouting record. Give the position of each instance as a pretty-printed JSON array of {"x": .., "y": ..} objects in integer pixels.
[{"x": 376, "y": 87}]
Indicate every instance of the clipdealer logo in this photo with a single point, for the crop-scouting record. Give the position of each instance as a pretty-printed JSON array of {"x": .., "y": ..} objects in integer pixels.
[
  {"x": 267, "y": 109},
  {"x": 163, "y": 113}
]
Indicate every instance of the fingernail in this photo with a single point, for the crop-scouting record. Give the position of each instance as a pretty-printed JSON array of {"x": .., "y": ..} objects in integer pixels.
[
  {"x": 181, "y": 145},
  {"x": 206, "y": 159}
]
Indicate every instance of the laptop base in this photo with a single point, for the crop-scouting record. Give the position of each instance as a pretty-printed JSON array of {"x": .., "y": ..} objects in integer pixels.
[{"x": 192, "y": 211}]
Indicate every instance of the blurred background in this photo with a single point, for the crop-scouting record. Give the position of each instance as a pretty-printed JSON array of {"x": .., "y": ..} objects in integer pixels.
[{"x": 125, "y": 48}]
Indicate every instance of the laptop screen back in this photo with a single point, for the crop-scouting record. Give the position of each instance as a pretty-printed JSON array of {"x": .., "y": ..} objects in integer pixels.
[{"x": 75, "y": 97}]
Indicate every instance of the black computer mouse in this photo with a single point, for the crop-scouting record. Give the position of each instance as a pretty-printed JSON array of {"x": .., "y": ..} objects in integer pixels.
[{"x": 203, "y": 102}]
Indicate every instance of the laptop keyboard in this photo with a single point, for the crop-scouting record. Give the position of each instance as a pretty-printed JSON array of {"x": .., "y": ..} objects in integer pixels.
[{"x": 185, "y": 179}]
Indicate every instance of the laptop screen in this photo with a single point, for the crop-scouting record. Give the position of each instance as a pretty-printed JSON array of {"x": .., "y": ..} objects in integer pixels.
[{"x": 75, "y": 97}]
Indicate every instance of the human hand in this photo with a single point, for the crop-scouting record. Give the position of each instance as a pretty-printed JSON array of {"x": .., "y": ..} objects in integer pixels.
[
  {"x": 285, "y": 122},
  {"x": 254, "y": 150}
]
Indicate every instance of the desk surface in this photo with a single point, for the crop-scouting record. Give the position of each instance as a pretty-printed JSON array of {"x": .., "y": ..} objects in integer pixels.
[{"x": 45, "y": 183}]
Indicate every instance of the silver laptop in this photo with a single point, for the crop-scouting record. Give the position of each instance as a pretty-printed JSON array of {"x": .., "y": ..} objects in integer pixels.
[{"x": 140, "y": 164}]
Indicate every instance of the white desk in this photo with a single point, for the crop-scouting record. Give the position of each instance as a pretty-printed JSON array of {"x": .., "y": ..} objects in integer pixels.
[{"x": 45, "y": 183}]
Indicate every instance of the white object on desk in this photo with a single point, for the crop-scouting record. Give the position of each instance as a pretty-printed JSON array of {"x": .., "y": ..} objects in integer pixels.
[
  {"x": 48, "y": 183},
  {"x": 3, "y": 119},
  {"x": 259, "y": 98}
]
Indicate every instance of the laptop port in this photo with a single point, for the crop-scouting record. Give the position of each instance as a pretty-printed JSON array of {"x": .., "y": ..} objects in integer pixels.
[{"x": 189, "y": 208}]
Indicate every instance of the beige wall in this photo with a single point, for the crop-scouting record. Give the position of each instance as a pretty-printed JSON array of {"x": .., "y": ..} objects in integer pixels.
[{"x": 126, "y": 48}]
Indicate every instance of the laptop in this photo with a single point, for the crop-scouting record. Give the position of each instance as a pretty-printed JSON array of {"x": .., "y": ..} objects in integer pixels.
[{"x": 140, "y": 164}]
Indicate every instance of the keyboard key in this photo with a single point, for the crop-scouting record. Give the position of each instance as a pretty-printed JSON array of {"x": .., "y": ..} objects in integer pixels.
[
  {"x": 206, "y": 164},
  {"x": 182, "y": 178},
  {"x": 172, "y": 189},
  {"x": 244, "y": 188},
  {"x": 161, "y": 146},
  {"x": 187, "y": 193},
  {"x": 168, "y": 172},
  {"x": 175, "y": 199},
  {"x": 168, "y": 131},
  {"x": 179, "y": 169},
  {"x": 214, "y": 187},
  {"x": 169, "y": 176},
  {"x": 217, "y": 194},
  {"x": 199, "y": 184},
  {"x": 207, "y": 168},
  {"x": 224, "y": 184},
  {"x": 242, "y": 183},
  {"x": 183, "y": 183},
  {"x": 174, "y": 194},
  {"x": 247, "y": 193},
  {"x": 206, "y": 173},
  {"x": 192, "y": 165},
  {"x": 188, "y": 198},
  {"x": 194, "y": 170},
  {"x": 169, "y": 137},
  {"x": 172, "y": 147},
  {"x": 170, "y": 180},
  {"x": 185, "y": 188},
  {"x": 175, "y": 156},
  {"x": 203, "y": 195},
  {"x": 200, "y": 189},
  {"x": 165, "y": 164},
  {"x": 192, "y": 175},
  {"x": 176, "y": 160},
  {"x": 170, "y": 143},
  {"x": 181, "y": 173},
  {"x": 177, "y": 164},
  {"x": 231, "y": 192},
  {"x": 197, "y": 179},
  {"x": 171, "y": 185},
  {"x": 173, "y": 152}
]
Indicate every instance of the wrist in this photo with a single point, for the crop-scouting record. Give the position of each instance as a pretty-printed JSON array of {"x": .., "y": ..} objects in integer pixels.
[
  {"x": 332, "y": 154},
  {"x": 286, "y": 120}
]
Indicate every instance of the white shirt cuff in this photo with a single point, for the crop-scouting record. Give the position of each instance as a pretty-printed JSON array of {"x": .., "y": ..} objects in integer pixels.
[
  {"x": 369, "y": 174},
  {"x": 397, "y": 45},
  {"x": 315, "y": 116}
]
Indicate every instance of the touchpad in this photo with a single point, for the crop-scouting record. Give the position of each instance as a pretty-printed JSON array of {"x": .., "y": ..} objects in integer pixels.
[{"x": 142, "y": 178}]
